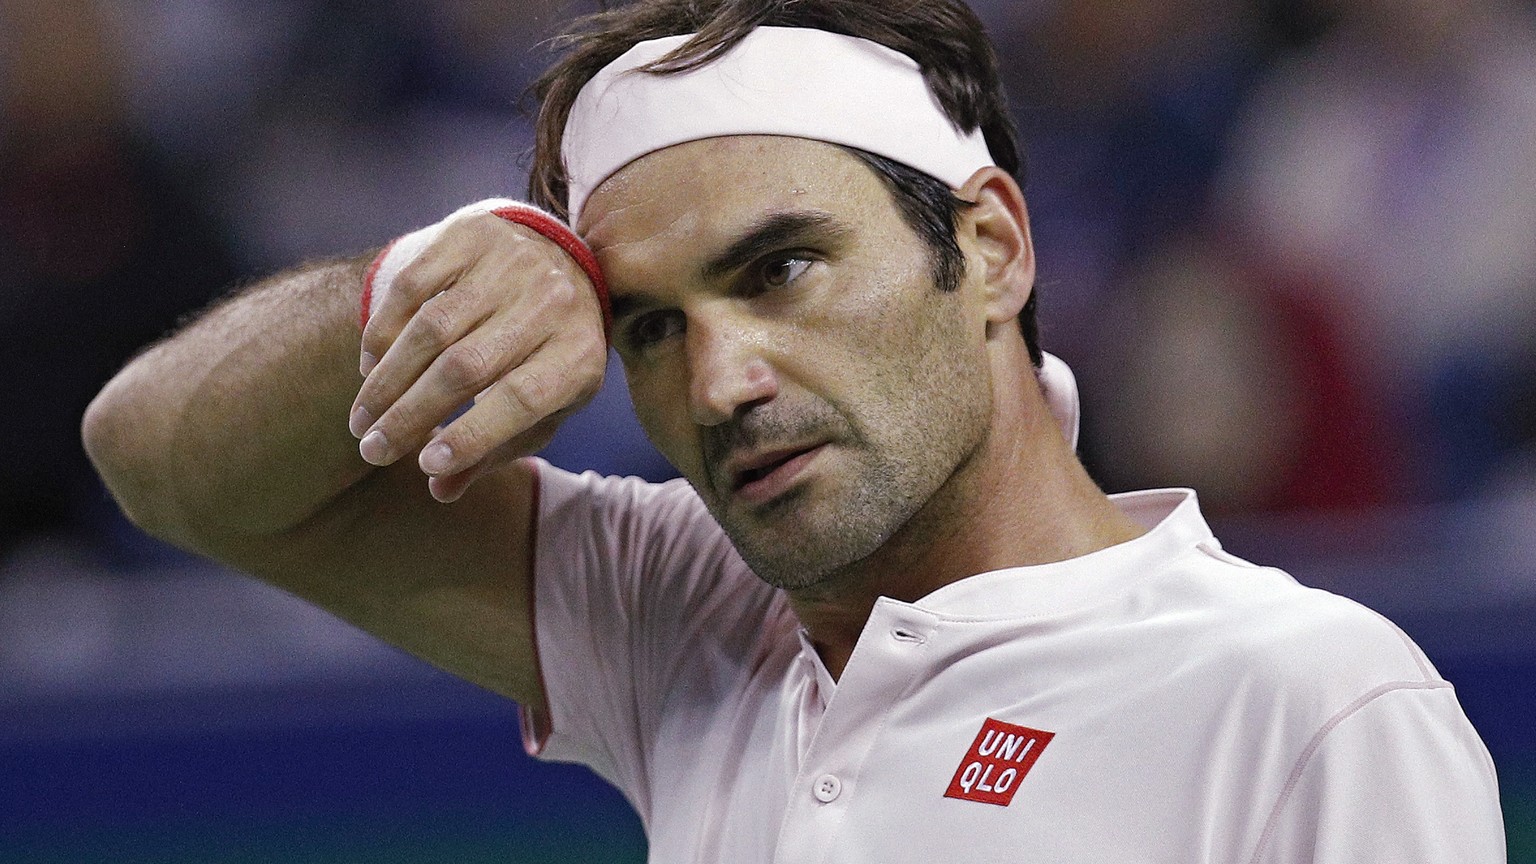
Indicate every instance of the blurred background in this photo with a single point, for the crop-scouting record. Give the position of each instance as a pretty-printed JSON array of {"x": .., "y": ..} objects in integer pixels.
[{"x": 1289, "y": 246}]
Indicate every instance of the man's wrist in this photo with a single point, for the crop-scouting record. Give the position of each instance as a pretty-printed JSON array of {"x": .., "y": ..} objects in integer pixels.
[
  {"x": 555, "y": 229},
  {"x": 400, "y": 252}
]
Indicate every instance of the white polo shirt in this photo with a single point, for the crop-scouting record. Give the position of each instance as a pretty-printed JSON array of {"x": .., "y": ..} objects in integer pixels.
[{"x": 1157, "y": 701}]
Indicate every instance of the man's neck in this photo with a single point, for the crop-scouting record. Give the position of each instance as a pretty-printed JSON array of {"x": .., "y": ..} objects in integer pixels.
[{"x": 1021, "y": 499}]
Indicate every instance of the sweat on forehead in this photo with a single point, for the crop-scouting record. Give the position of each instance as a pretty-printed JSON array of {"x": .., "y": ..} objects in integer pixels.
[{"x": 788, "y": 81}]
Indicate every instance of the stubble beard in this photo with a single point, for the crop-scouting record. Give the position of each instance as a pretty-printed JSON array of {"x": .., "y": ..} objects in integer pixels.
[
  {"x": 810, "y": 538},
  {"x": 813, "y": 550}
]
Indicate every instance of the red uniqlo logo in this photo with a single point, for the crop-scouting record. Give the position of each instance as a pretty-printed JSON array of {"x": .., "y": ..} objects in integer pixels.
[{"x": 998, "y": 760}]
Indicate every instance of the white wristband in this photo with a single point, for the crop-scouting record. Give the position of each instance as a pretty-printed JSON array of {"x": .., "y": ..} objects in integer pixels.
[{"x": 399, "y": 254}]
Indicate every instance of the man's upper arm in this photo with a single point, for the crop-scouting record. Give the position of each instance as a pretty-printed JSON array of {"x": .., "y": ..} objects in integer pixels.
[{"x": 449, "y": 583}]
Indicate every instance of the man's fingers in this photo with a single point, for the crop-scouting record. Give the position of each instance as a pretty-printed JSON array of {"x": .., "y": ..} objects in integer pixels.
[
  {"x": 518, "y": 326},
  {"x": 453, "y": 377},
  {"x": 457, "y": 344},
  {"x": 514, "y": 380},
  {"x": 460, "y": 252},
  {"x": 432, "y": 271},
  {"x": 526, "y": 288},
  {"x": 557, "y": 379},
  {"x": 449, "y": 488},
  {"x": 394, "y": 390}
]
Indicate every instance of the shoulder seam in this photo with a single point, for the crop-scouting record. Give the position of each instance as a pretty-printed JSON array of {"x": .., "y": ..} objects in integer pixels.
[
  {"x": 1292, "y": 781},
  {"x": 1413, "y": 650}
]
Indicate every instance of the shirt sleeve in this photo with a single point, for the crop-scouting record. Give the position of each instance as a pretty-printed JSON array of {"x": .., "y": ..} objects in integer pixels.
[
  {"x": 633, "y": 586},
  {"x": 1398, "y": 776}
]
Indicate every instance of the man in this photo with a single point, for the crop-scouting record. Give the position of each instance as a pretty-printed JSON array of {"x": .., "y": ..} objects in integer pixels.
[{"x": 888, "y": 616}]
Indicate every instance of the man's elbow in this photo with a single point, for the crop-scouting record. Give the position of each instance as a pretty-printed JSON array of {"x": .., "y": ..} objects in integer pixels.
[{"x": 124, "y": 445}]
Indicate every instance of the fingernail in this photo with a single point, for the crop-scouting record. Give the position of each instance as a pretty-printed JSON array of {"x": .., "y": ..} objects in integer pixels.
[
  {"x": 442, "y": 496},
  {"x": 359, "y": 422},
  {"x": 374, "y": 448},
  {"x": 435, "y": 457},
  {"x": 366, "y": 364}
]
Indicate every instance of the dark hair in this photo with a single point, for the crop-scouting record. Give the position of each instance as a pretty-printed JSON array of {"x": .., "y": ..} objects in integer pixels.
[
  {"x": 930, "y": 209},
  {"x": 944, "y": 37}
]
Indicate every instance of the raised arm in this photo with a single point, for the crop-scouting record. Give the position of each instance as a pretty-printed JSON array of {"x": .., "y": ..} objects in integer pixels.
[{"x": 231, "y": 439}]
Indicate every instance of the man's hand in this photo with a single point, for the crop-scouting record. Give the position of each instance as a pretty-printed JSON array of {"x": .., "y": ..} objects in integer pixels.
[{"x": 491, "y": 312}]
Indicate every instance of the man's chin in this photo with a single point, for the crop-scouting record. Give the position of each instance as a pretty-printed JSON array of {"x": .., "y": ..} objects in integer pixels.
[
  {"x": 795, "y": 563},
  {"x": 797, "y": 540},
  {"x": 790, "y": 579}
]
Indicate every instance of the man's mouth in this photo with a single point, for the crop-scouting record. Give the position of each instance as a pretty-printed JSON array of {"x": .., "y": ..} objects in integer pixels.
[
  {"x": 763, "y": 476},
  {"x": 754, "y": 474}
]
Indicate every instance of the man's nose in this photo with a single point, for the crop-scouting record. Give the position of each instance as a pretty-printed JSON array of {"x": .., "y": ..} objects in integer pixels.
[{"x": 727, "y": 369}]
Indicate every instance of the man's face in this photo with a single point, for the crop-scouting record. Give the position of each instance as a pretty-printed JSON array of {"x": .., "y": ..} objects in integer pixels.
[{"x": 785, "y": 346}]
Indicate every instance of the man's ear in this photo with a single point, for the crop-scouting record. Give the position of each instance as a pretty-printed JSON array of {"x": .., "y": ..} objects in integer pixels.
[{"x": 995, "y": 235}]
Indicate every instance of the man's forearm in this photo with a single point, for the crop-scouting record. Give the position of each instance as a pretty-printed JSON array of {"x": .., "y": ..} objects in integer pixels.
[
  {"x": 237, "y": 425},
  {"x": 232, "y": 438}
]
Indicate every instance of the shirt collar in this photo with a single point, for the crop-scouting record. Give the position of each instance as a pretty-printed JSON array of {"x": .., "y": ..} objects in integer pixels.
[{"x": 1174, "y": 526}]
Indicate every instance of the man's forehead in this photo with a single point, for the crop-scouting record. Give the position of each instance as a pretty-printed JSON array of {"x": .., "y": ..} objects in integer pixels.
[{"x": 718, "y": 185}]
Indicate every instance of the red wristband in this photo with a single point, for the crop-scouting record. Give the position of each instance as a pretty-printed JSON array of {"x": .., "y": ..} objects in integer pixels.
[
  {"x": 373, "y": 272},
  {"x": 521, "y": 214},
  {"x": 565, "y": 238}
]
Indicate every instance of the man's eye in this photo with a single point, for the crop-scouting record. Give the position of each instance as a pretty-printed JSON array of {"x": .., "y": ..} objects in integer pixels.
[
  {"x": 778, "y": 272},
  {"x": 654, "y": 327}
]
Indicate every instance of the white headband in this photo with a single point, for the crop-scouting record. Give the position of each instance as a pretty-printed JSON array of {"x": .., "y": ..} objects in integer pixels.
[{"x": 790, "y": 81}]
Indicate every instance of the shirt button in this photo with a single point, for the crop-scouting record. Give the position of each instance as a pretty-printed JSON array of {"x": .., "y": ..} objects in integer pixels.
[{"x": 827, "y": 788}]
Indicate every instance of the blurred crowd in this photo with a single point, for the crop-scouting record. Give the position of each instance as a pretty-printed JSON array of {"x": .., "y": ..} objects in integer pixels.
[{"x": 1288, "y": 245}]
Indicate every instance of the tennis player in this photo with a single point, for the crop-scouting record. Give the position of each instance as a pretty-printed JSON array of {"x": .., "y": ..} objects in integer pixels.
[{"x": 886, "y": 615}]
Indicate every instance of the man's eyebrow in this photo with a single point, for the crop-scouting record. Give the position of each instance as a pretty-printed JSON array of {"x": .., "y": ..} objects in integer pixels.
[{"x": 775, "y": 231}]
